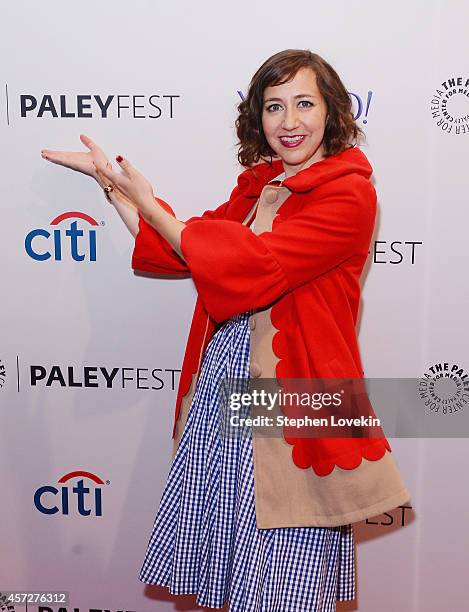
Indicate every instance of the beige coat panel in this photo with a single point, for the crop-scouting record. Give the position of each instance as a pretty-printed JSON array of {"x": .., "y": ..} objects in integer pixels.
[
  {"x": 286, "y": 495},
  {"x": 289, "y": 496}
]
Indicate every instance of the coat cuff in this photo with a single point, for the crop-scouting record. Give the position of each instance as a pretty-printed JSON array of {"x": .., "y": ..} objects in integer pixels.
[
  {"x": 232, "y": 269},
  {"x": 152, "y": 253}
]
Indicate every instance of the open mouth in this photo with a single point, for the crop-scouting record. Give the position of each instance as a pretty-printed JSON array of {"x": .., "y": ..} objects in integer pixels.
[{"x": 291, "y": 141}]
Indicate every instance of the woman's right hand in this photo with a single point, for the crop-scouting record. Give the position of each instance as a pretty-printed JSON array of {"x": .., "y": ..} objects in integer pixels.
[
  {"x": 82, "y": 161},
  {"x": 79, "y": 161}
]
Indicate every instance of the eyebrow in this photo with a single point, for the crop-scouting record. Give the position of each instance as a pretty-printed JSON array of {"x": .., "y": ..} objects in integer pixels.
[{"x": 298, "y": 96}]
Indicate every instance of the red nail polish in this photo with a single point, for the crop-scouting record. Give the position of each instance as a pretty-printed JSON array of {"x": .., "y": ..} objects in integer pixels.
[{"x": 119, "y": 158}]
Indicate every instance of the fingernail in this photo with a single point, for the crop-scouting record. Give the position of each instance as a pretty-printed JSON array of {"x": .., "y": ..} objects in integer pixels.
[{"x": 119, "y": 158}]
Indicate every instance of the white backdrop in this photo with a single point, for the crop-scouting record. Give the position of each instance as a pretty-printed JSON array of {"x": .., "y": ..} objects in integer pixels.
[{"x": 70, "y": 326}]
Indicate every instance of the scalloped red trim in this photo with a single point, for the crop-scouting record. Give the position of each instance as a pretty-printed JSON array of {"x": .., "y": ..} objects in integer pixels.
[
  {"x": 322, "y": 455},
  {"x": 305, "y": 455}
]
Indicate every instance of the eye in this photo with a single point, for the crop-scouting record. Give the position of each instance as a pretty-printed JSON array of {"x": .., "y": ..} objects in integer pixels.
[{"x": 271, "y": 108}]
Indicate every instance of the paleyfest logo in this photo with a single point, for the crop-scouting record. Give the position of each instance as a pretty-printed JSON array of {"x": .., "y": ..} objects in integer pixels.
[
  {"x": 450, "y": 106},
  {"x": 444, "y": 388},
  {"x": 362, "y": 104}
]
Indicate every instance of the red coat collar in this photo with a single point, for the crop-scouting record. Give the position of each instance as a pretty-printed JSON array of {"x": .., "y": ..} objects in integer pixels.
[{"x": 352, "y": 160}]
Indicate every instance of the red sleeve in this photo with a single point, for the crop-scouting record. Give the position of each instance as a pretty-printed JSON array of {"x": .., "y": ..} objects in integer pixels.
[
  {"x": 235, "y": 270},
  {"x": 153, "y": 253}
]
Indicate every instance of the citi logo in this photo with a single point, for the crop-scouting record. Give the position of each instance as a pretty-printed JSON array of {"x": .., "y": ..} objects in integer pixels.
[
  {"x": 67, "y": 240},
  {"x": 72, "y": 497}
]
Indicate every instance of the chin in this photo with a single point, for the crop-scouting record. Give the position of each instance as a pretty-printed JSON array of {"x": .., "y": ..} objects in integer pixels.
[{"x": 295, "y": 160}]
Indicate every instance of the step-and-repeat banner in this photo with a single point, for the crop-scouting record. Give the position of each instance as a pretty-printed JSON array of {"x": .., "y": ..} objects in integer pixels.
[{"x": 90, "y": 353}]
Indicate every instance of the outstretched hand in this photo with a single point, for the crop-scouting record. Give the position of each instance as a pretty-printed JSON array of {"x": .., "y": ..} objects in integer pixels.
[
  {"x": 130, "y": 182},
  {"x": 79, "y": 160},
  {"x": 84, "y": 162}
]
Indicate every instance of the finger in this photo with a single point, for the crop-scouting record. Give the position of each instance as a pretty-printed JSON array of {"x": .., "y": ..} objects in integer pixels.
[
  {"x": 90, "y": 144},
  {"x": 100, "y": 174},
  {"x": 98, "y": 153},
  {"x": 86, "y": 140},
  {"x": 125, "y": 164},
  {"x": 57, "y": 157},
  {"x": 51, "y": 154},
  {"x": 48, "y": 153},
  {"x": 108, "y": 172},
  {"x": 117, "y": 189}
]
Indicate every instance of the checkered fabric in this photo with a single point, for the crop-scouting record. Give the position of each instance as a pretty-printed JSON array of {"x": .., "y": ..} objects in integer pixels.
[{"x": 205, "y": 540}]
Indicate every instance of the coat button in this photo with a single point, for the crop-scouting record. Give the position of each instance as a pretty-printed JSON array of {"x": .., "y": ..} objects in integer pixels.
[
  {"x": 252, "y": 323},
  {"x": 255, "y": 370},
  {"x": 271, "y": 196}
]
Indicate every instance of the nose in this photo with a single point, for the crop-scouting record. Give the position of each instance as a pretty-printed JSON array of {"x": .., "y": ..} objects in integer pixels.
[{"x": 290, "y": 118}]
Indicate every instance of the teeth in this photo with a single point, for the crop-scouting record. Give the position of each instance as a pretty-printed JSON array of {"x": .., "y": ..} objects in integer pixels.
[{"x": 291, "y": 138}]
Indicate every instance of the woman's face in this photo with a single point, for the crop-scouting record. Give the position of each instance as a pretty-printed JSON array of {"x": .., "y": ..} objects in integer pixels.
[{"x": 294, "y": 119}]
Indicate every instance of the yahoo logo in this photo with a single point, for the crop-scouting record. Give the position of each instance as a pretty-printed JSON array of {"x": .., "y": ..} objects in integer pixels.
[
  {"x": 86, "y": 500},
  {"x": 41, "y": 245},
  {"x": 363, "y": 106}
]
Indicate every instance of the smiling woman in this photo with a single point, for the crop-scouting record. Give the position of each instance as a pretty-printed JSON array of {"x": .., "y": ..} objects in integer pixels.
[
  {"x": 294, "y": 124},
  {"x": 314, "y": 99},
  {"x": 265, "y": 523}
]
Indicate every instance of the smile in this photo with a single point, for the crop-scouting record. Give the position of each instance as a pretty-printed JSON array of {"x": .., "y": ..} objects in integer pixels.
[{"x": 291, "y": 141}]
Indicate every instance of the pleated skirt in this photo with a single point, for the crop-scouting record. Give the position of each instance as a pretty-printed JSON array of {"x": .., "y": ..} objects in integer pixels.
[{"x": 205, "y": 540}]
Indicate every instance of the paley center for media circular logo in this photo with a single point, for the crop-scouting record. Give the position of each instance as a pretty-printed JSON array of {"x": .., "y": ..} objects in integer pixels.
[
  {"x": 450, "y": 105},
  {"x": 444, "y": 388}
]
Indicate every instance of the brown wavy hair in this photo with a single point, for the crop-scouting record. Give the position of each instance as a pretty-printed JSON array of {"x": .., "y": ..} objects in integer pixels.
[{"x": 340, "y": 132}]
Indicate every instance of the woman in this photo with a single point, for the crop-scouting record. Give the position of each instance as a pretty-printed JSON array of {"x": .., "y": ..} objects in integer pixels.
[{"x": 265, "y": 522}]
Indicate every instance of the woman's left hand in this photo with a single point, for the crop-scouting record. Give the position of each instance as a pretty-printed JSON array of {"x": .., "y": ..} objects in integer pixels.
[{"x": 131, "y": 183}]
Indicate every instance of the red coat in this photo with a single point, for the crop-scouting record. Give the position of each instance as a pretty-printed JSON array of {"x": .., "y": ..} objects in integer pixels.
[{"x": 308, "y": 267}]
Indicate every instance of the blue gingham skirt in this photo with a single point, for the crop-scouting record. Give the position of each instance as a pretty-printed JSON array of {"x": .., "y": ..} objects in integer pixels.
[{"x": 205, "y": 540}]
